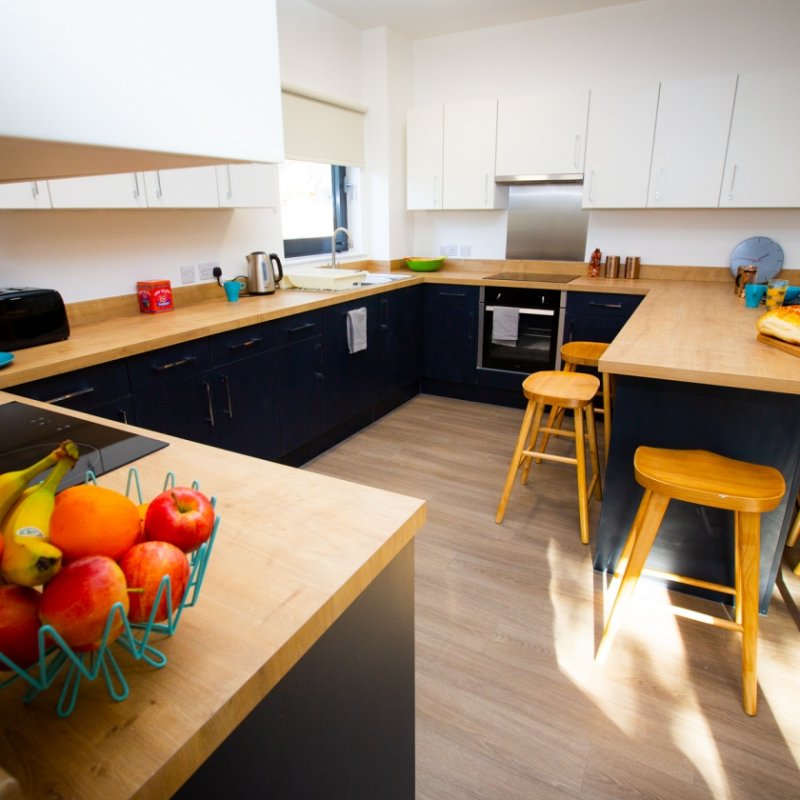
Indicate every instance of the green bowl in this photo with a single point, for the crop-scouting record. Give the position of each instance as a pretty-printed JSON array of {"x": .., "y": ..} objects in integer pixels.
[{"x": 424, "y": 264}]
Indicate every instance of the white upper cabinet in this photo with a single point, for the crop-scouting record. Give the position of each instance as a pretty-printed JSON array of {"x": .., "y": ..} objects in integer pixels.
[
  {"x": 193, "y": 187},
  {"x": 248, "y": 186},
  {"x": 470, "y": 138},
  {"x": 763, "y": 164},
  {"x": 543, "y": 134},
  {"x": 450, "y": 157},
  {"x": 619, "y": 144},
  {"x": 424, "y": 144},
  {"x": 163, "y": 85},
  {"x": 29, "y": 194},
  {"x": 694, "y": 118},
  {"x": 99, "y": 191}
]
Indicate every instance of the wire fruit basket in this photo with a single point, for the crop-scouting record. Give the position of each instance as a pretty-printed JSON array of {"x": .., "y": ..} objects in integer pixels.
[{"x": 57, "y": 660}]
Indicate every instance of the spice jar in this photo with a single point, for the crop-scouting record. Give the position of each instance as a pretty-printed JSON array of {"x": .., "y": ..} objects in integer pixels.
[{"x": 612, "y": 266}]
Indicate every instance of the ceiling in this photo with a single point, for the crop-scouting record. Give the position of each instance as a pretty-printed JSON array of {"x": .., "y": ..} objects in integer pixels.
[{"x": 419, "y": 19}]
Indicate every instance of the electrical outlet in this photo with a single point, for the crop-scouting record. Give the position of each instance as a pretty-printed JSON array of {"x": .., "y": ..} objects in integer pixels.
[
  {"x": 207, "y": 270},
  {"x": 187, "y": 274},
  {"x": 448, "y": 250},
  {"x": 465, "y": 250}
]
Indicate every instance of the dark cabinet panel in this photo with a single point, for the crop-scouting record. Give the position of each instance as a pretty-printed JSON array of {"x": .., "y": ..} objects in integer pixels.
[
  {"x": 247, "y": 406},
  {"x": 352, "y": 380},
  {"x": 301, "y": 380},
  {"x": 402, "y": 329},
  {"x": 451, "y": 333},
  {"x": 594, "y": 317},
  {"x": 169, "y": 364},
  {"x": 103, "y": 390}
]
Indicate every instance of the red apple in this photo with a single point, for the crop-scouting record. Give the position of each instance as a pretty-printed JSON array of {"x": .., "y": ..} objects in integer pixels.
[
  {"x": 181, "y": 516},
  {"x": 19, "y": 625},
  {"x": 77, "y": 601},
  {"x": 144, "y": 566}
]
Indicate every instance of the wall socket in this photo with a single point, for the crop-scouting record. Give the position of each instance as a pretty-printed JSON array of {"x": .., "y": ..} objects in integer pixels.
[
  {"x": 187, "y": 274},
  {"x": 207, "y": 270},
  {"x": 448, "y": 250},
  {"x": 465, "y": 250}
]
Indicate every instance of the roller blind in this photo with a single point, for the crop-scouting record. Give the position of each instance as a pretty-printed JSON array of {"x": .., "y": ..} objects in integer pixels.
[{"x": 320, "y": 129}]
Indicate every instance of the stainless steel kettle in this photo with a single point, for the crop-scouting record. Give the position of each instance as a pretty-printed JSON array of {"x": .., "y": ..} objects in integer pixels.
[{"x": 261, "y": 276}]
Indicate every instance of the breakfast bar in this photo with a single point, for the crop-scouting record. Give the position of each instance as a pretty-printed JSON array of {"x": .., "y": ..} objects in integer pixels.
[{"x": 690, "y": 374}]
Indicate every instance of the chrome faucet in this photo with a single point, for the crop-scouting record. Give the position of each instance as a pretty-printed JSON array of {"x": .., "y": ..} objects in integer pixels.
[{"x": 333, "y": 244}]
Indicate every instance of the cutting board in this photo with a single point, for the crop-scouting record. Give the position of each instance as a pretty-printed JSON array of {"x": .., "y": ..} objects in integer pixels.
[{"x": 787, "y": 347}]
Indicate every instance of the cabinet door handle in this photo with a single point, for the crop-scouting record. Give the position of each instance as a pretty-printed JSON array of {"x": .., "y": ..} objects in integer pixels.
[
  {"x": 733, "y": 181},
  {"x": 605, "y": 305},
  {"x": 249, "y": 343},
  {"x": 35, "y": 188},
  {"x": 181, "y": 362},
  {"x": 452, "y": 294},
  {"x": 301, "y": 328},
  {"x": 227, "y": 384},
  {"x": 577, "y": 153},
  {"x": 135, "y": 186},
  {"x": 210, "y": 417},
  {"x": 229, "y": 193},
  {"x": 158, "y": 183},
  {"x": 70, "y": 395}
]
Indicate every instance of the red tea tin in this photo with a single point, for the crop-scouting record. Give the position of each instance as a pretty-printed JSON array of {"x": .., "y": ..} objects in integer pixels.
[{"x": 154, "y": 296}]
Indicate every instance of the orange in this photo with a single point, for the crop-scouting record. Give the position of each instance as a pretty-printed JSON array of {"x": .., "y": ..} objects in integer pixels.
[{"x": 91, "y": 520}]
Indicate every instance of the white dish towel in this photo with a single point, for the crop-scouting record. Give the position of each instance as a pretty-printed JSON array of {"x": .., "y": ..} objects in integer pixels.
[
  {"x": 505, "y": 326},
  {"x": 357, "y": 330}
]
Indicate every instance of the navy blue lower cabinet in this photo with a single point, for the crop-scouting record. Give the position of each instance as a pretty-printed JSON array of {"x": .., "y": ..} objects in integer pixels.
[
  {"x": 247, "y": 419},
  {"x": 755, "y": 426},
  {"x": 402, "y": 325},
  {"x": 352, "y": 380},
  {"x": 596, "y": 317},
  {"x": 451, "y": 333},
  {"x": 301, "y": 380}
]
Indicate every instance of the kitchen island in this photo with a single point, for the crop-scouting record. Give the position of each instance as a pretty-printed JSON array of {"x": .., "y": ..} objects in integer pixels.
[
  {"x": 691, "y": 374},
  {"x": 309, "y": 586}
]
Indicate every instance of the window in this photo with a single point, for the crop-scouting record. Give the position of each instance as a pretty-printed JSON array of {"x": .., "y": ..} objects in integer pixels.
[{"x": 313, "y": 204}]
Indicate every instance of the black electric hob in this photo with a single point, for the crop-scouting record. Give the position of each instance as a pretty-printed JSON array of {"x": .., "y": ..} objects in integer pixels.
[
  {"x": 531, "y": 277},
  {"x": 28, "y": 434}
]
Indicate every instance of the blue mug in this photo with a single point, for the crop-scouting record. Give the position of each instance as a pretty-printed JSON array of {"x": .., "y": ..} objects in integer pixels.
[
  {"x": 753, "y": 292},
  {"x": 232, "y": 290}
]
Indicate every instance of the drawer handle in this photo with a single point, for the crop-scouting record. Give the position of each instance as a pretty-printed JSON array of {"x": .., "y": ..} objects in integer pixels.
[
  {"x": 452, "y": 294},
  {"x": 71, "y": 395},
  {"x": 605, "y": 305},
  {"x": 301, "y": 328},
  {"x": 181, "y": 362},
  {"x": 248, "y": 343}
]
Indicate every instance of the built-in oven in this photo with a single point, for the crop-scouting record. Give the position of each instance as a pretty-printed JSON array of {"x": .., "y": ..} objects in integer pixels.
[{"x": 526, "y": 336}]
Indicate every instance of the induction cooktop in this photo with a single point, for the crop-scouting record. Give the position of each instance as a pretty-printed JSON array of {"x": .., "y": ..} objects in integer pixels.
[
  {"x": 531, "y": 277},
  {"x": 28, "y": 434}
]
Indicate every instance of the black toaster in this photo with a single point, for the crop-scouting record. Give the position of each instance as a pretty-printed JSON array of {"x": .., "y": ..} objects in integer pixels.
[{"x": 29, "y": 317}]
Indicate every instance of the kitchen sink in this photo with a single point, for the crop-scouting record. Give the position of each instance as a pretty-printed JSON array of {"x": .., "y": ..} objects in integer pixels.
[{"x": 376, "y": 278}]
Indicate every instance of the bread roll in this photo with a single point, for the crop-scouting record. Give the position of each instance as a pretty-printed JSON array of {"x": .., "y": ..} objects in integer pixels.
[{"x": 783, "y": 323}]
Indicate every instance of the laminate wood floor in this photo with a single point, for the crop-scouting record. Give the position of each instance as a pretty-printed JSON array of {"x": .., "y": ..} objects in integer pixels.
[{"x": 510, "y": 703}]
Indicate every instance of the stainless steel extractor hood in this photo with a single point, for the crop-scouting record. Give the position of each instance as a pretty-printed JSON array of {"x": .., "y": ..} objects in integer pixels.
[{"x": 546, "y": 221}]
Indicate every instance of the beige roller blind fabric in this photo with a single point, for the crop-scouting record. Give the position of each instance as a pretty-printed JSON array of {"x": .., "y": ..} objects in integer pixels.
[{"x": 322, "y": 130}]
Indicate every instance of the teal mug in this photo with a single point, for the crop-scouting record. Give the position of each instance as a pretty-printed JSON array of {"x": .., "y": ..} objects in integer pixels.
[
  {"x": 753, "y": 292},
  {"x": 232, "y": 290}
]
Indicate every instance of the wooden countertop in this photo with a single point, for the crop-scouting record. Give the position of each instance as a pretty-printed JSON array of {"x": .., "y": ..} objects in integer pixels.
[
  {"x": 691, "y": 330},
  {"x": 293, "y": 550},
  {"x": 700, "y": 333}
]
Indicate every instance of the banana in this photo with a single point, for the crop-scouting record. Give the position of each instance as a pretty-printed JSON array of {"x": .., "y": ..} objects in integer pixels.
[
  {"x": 28, "y": 559},
  {"x": 12, "y": 484}
]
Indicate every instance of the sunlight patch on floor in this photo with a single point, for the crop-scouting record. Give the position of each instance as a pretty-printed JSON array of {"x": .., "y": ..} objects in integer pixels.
[{"x": 649, "y": 649}]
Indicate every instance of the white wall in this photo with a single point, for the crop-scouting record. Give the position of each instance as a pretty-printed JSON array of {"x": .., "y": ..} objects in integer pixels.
[{"x": 651, "y": 39}]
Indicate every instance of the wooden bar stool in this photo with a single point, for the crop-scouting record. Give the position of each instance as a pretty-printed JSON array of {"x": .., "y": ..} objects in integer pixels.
[
  {"x": 698, "y": 476},
  {"x": 565, "y": 390},
  {"x": 585, "y": 354}
]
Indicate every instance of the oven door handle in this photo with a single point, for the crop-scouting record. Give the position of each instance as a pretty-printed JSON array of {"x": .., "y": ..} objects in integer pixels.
[{"x": 539, "y": 312}]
